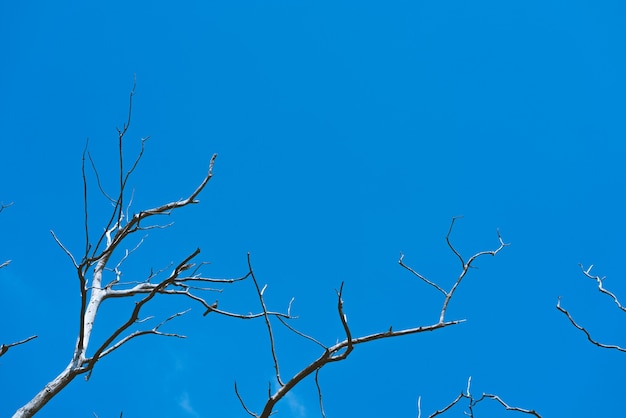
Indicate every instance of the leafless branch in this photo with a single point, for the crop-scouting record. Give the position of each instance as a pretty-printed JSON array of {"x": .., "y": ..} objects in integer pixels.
[
  {"x": 472, "y": 402},
  {"x": 319, "y": 392},
  {"x": 243, "y": 404},
  {"x": 69, "y": 254},
  {"x": 466, "y": 265},
  {"x": 308, "y": 337},
  {"x": 435, "y": 285},
  {"x": 154, "y": 331},
  {"x": 3, "y": 206},
  {"x": 341, "y": 350},
  {"x": 267, "y": 321},
  {"x": 599, "y": 280},
  {"x": 5, "y": 347},
  {"x": 563, "y": 310},
  {"x": 97, "y": 262}
]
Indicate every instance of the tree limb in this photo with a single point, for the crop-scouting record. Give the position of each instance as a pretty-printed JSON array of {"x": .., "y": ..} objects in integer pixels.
[
  {"x": 341, "y": 350},
  {"x": 599, "y": 280}
]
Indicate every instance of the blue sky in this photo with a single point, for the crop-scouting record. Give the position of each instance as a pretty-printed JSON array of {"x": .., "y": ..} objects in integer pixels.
[{"x": 347, "y": 132}]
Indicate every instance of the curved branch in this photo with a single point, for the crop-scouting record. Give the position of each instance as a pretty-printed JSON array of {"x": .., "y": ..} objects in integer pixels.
[{"x": 591, "y": 340}]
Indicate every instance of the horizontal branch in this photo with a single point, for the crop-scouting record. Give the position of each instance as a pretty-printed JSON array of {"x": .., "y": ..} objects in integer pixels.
[
  {"x": 472, "y": 402},
  {"x": 5, "y": 347}
]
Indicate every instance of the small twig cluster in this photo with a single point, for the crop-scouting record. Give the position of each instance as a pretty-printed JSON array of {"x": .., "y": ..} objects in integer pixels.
[
  {"x": 472, "y": 402},
  {"x": 599, "y": 280}
]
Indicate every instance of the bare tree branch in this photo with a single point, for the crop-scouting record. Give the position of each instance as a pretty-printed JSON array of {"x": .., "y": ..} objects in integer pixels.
[
  {"x": 599, "y": 280},
  {"x": 601, "y": 289},
  {"x": 472, "y": 402},
  {"x": 3, "y": 206},
  {"x": 5, "y": 347},
  {"x": 341, "y": 350},
  {"x": 465, "y": 268},
  {"x": 591, "y": 340},
  {"x": 101, "y": 258},
  {"x": 319, "y": 393},
  {"x": 267, "y": 321}
]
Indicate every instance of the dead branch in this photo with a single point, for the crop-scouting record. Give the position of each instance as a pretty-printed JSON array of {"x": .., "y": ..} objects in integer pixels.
[
  {"x": 601, "y": 289},
  {"x": 5, "y": 347},
  {"x": 3, "y": 207},
  {"x": 583, "y": 329},
  {"x": 341, "y": 350},
  {"x": 465, "y": 267},
  {"x": 100, "y": 258},
  {"x": 472, "y": 402},
  {"x": 599, "y": 280}
]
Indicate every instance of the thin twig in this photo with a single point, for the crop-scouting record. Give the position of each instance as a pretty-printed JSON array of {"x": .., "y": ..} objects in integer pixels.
[
  {"x": 5, "y": 347},
  {"x": 591, "y": 340},
  {"x": 319, "y": 393},
  {"x": 600, "y": 280},
  {"x": 268, "y": 324},
  {"x": 243, "y": 404},
  {"x": 472, "y": 402}
]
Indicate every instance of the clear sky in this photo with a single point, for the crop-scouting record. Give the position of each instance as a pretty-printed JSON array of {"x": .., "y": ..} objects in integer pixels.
[{"x": 347, "y": 132}]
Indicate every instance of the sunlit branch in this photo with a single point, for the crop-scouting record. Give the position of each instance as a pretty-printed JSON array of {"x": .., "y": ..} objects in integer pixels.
[
  {"x": 267, "y": 321},
  {"x": 3, "y": 207},
  {"x": 599, "y": 280},
  {"x": 472, "y": 402},
  {"x": 154, "y": 331},
  {"x": 97, "y": 261},
  {"x": 341, "y": 350},
  {"x": 466, "y": 265},
  {"x": 591, "y": 340},
  {"x": 5, "y": 347}
]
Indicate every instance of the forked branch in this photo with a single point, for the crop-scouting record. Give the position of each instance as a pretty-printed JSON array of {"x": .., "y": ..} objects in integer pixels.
[
  {"x": 341, "y": 350},
  {"x": 465, "y": 267},
  {"x": 100, "y": 258},
  {"x": 472, "y": 402}
]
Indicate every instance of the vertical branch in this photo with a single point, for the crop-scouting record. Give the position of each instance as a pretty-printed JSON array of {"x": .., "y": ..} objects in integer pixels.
[
  {"x": 268, "y": 324},
  {"x": 3, "y": 207},
  {"x": 319, "y": 393},
  {"x": 85, "y": 208},
  {"x": 120, "y": 134}
]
